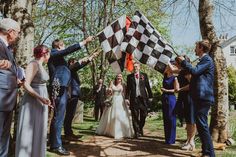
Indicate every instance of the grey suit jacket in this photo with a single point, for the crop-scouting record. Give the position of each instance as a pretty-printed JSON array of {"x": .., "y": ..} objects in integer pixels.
[{"x": 8, "y": 80}]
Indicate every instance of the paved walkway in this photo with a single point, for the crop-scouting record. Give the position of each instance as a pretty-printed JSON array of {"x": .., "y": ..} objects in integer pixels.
[{"x": 148, "y": 146}]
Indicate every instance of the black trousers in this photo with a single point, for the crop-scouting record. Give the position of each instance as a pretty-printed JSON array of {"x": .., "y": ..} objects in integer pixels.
[
  {"x": 70, "y": 114},
  {"x": 138, "y": 109},
  {"x": 98, "y": 107}
]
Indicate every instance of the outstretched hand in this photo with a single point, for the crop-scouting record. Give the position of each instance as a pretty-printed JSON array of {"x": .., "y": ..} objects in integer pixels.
[
  {"x": 180, "y": 59},
  {"x": 89, "y": 39},
  {"x": 94, "y": 55}
]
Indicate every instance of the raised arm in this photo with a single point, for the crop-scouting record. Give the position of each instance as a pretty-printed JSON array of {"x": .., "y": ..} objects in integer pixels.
[
  {"x": 71, "y": 49},
  {"x": 174, "y": 69},
  {"x": 176, "y": 84},
  {"x": 199, "y": 69},
  {"x": 77, "y": 66}
]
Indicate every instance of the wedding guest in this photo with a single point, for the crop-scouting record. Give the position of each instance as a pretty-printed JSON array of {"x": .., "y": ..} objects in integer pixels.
[
  {"x": 185, "y": 100},
  {"x": 188, "y": 107},
  {"x": 9, "y": 32},
  {"x": 74, "y": 66},
  {"x": 170, "y": 85},
  {"x": 99, "y": 93},
  {"x": 203, "y": 98},
  {"x": 59, "y": 70},
  {"x": 31, "y": 135}
]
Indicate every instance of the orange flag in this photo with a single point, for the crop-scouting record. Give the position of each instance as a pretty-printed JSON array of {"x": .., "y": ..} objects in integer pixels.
[{"x": 129, "y": 58}]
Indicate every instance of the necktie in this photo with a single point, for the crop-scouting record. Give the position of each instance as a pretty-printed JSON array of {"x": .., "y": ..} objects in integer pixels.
[{"x": 136, "y": 76}]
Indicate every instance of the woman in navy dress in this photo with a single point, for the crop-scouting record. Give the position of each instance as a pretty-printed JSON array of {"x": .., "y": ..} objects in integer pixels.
[
  {"x": 188, "y": 112},
  {"x": 184, "y": 98},
  {"x": 170, "y": 85}
]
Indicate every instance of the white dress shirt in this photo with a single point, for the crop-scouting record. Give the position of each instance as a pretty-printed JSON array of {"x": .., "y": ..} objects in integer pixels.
[{"x": 137, "y": 84}]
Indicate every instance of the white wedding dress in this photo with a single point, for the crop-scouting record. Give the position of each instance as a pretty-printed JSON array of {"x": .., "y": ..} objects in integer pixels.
[{"x": 116, "y": 119}]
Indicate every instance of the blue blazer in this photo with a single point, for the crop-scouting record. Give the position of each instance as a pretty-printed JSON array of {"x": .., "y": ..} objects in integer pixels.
[
  {"x": 201, "y": 84},
  {"x": 58, "y": 67},
  {"x": 8, "y": 80},
  {"x": 75, "y": 81}
]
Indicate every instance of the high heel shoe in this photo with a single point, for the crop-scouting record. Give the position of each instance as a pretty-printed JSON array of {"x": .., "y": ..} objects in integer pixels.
[{"x": 190, "y": 147}]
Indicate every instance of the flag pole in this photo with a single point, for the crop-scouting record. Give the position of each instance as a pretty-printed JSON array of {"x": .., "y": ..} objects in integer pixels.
[
  {"x": 174, "y": 50},
  {"x": 98, "y": 33},
  {"x": 176, "y": 53}
]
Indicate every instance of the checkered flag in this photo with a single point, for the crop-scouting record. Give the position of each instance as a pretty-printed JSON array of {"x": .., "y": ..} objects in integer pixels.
[
  {"x": 146, "y": 43},
  {"x": 111, "y": 38}
]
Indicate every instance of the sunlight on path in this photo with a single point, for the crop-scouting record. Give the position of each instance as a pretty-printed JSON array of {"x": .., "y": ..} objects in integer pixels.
[{"x": 148, "y": 146}]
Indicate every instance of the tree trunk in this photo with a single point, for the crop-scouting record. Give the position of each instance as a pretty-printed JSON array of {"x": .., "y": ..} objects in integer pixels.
[
  {"x": 21, "y": 11},
  {"x": 220, "y": 111}
]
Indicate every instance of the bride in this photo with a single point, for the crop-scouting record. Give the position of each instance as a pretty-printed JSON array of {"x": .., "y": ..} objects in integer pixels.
[{"x": 115, "y": 121}]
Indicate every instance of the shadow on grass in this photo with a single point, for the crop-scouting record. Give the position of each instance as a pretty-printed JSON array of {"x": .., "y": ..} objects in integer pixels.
[{"x": 150, "y": 146}]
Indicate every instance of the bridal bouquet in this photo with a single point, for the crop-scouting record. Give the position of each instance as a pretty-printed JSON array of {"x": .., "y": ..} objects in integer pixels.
[{"x": 108, "y": 101}]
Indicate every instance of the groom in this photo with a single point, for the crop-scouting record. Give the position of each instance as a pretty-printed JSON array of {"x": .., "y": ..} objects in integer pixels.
[{"x": 138, "y": 94}]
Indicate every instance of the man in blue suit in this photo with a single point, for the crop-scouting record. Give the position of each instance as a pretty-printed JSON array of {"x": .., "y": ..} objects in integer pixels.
[
  {"x": 9, "y": 32},
  {"x": 75, "y": 93},
  {"x": 201, "y": 91},
  {"x": 59, "y": 70}
]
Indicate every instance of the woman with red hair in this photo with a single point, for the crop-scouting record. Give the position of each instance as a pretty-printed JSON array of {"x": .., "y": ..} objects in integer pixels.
[{"x": 32, "y": 121}]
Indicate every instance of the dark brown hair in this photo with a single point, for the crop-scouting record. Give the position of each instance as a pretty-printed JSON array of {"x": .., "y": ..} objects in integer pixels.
[
  {"x": 71, "y": 60},
  {"x": 56, "y": 43}
]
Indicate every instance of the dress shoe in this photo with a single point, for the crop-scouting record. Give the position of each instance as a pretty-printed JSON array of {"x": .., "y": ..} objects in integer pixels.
[
  {"x": 72, "y": 137},
  {"x": 137, "y": 135},
  {"x": 60, "y": 151},
  {"x": 190, "y": 147},
  {"x": 141, "y": 133}
]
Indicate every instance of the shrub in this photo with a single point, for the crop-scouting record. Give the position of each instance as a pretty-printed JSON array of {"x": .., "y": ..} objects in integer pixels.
[{"x": 232, "y": 85}]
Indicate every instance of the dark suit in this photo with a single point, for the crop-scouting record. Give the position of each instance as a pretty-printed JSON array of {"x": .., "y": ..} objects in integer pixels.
[
  {"x": 138, "y": 104},
  {"x": 100, "y": 97},
  {"x": 201, "y": 90},
  {"x": 8, "y": 94},
  {"x": 75, "y": 94},
  {"x": 59, "y": 69}
]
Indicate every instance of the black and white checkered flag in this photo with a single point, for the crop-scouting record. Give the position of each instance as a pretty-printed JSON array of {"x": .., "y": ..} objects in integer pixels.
[
  {"x": 111, "y": 38},
  {"x": 146, "y": 43}
]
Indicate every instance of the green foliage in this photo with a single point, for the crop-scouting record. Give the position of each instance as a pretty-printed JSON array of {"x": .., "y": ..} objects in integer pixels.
[
  {"x": 64, "y": 20},
  {"x": 232, "y": 85}
]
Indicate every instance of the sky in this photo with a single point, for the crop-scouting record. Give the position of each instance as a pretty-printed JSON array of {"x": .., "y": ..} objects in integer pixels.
[{"x": 187, "y": 33}]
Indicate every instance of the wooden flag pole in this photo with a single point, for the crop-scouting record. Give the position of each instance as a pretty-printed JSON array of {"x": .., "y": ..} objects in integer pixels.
[
  {"x": 98, "y": 33},
  {"x": 176, "y": 53}
]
